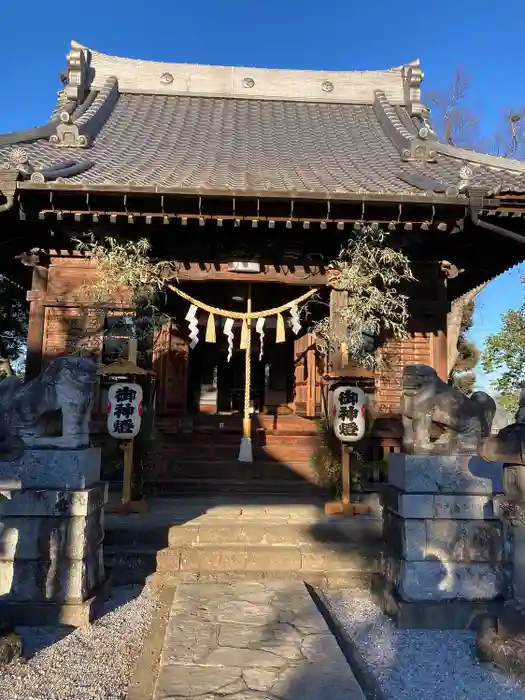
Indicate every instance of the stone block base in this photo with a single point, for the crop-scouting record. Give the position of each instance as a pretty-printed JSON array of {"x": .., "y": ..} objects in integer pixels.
[
  {"x": 48, "y": 468},
  {"x": 416, "y": 506},
  {"x": 51, "y": 559},
  {"x": 440, "y": 580},
  {"x": 449, "y": 540},
  {"x": 444, "y": 474},
  {"x": 50, "y": 613},
  {"x": 439, "y": 615}
]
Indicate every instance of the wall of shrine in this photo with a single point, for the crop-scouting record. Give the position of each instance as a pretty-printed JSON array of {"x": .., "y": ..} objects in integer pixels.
[{"x": 60, "y": 325}]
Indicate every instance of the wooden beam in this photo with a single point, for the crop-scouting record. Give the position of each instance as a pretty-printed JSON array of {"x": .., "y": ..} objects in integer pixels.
[{"x": 311, "y": 276}]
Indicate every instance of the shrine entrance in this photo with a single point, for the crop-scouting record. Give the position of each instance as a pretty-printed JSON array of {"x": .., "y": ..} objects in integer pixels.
[
  {"x": 285, "y": 376},
  {"x": 216, "y": 385}
]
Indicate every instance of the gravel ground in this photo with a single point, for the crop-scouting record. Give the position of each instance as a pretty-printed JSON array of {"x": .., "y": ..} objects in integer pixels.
[
  {"x": 94, "y": 663},
  {"x": 422, "y": 664}
]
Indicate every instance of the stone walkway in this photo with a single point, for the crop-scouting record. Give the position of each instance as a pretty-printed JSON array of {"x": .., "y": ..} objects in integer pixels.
[{"x": 251, "y": 640}]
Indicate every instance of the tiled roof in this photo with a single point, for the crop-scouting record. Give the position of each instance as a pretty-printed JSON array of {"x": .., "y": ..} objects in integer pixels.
[{"x": 134, "y": 123}]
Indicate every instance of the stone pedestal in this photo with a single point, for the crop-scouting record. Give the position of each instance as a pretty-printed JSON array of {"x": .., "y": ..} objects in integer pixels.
[
  {"x": 501, "y": 639},
  {"x": 51, "y": 537},
  {"x": 443, "y": 564}
]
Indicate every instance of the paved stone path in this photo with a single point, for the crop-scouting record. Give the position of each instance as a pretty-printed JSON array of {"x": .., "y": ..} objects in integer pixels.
[{"x": 251, "y": 640}]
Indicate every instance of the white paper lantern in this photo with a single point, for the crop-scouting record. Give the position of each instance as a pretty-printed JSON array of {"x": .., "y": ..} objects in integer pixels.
[
  {"x": 348, "y": 413},
  {"x": 124, "y": 410}
]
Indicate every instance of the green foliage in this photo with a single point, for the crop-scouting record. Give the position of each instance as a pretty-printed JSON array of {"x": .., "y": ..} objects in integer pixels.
[
  {"x": 509, "y": 402},
  {"x": 14, "y": 316},
  {"x": 126, "y": 267},
  {"x": 123, "y": 266},
  {"x": 504, "y": 353},
  {"x": 370, "y": 273},
  {"x": 326, "y": 462}
]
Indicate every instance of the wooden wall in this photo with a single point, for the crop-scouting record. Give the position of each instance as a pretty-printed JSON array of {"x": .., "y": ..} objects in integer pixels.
[{"x": 59, "y": 325}]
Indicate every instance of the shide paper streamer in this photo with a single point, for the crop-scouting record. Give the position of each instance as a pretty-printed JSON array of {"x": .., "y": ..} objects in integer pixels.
[{"x": 193, "y": 325}]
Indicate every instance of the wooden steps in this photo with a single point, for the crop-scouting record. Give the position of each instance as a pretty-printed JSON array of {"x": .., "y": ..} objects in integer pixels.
[{"x": 200, "y": 454}]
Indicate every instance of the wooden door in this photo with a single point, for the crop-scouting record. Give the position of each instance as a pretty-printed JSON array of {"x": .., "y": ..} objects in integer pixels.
[
  {"x": 170, "y": 362},
  {"x": 307, "y": 389}
]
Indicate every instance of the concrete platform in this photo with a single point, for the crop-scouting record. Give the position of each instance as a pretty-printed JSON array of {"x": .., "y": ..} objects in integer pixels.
[{"x": 251, "y": 640}]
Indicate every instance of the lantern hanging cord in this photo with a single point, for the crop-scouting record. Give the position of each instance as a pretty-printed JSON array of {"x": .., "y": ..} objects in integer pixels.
[{"x": 237, "y": 314}]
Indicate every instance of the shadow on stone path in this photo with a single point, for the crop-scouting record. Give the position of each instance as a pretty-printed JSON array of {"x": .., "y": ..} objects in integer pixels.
[{"x": 251, "y": 640}]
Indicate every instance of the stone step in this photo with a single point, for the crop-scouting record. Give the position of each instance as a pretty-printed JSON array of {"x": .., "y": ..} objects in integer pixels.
[
  {"x": 188, "y": 486},
  {"x": 332, "y": 530},
  {"x": 358, "y": 581},
  {"x": 129, "y": 565},
  {"x": 214, "y": 557}
]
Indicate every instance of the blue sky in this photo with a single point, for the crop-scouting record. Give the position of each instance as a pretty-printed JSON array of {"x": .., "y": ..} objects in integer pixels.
[{"x": 337, "y": 35}]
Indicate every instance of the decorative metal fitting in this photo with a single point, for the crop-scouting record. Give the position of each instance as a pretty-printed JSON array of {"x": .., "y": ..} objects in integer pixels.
[
  {"x": 248, "y": 82},
  {"x": 327, "y": 86},
  {"x": 166, "y": 78}
]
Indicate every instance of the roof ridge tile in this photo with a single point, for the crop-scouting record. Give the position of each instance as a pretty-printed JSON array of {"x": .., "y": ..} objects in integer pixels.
[{"x": 80, "y": 132}]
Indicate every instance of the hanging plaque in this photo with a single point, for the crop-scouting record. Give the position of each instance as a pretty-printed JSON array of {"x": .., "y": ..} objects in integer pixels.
[
  {"x": 348, "y": 413},
  {"x": 124, "y": 410}
]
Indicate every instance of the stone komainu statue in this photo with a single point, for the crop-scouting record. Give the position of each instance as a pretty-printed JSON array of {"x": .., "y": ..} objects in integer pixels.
[
  {"x": 508, "y": 446},
  {"x": 66, "y": 385},
  {"x": 439, "y": 419}
]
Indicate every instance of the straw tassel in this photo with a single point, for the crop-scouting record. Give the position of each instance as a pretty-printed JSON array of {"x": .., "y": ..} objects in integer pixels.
[
  {"x": 280, "y": 335},
  {"x": 210, "y": 329},
  {"x": 244, "y": 335}
]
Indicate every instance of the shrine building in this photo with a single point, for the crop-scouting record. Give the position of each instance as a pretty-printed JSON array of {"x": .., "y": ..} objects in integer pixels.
[{"x": 250, "y": 181}]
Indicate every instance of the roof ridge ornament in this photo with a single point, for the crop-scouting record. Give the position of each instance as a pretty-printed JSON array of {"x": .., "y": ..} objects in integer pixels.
[
  {"x": 412, "y": 79},
  {"x": 80, "y": 132},
  {"x": 78, "y": 61},
  {"x": 412, "y": 147}
]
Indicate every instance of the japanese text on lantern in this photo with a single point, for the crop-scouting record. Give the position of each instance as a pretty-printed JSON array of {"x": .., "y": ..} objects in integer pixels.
[
  {"x": 348, "y": 413},
  {"x": 124, "y": 410}
]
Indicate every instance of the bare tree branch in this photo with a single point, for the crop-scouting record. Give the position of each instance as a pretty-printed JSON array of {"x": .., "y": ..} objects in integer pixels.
[
  {"x": 457, "y": 123},
  {"x": 509, "y": 136}
]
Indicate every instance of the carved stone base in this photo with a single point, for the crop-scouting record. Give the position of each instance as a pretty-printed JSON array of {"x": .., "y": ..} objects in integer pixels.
[
  {"x": 432, "y": 614},
  {"x": 444, "y": 555},
  {"x": 51, "y": 561},
  {"x": 74, "y": 613}
]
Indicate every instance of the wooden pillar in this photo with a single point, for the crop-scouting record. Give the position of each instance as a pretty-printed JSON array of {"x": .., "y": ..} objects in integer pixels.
[
  {"x": 440, "y": 350},
  {"x": 439, "y": 338},
  {"x": 338, "y": 358},
  {"x": 35, "y": 333}
]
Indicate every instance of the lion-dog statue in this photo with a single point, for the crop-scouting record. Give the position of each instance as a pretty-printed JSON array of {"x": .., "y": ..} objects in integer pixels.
[
  {"x": 66, "y": 385},
  {"x": 438, "y": 419},
  {"x": 508, "y": 446}
]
